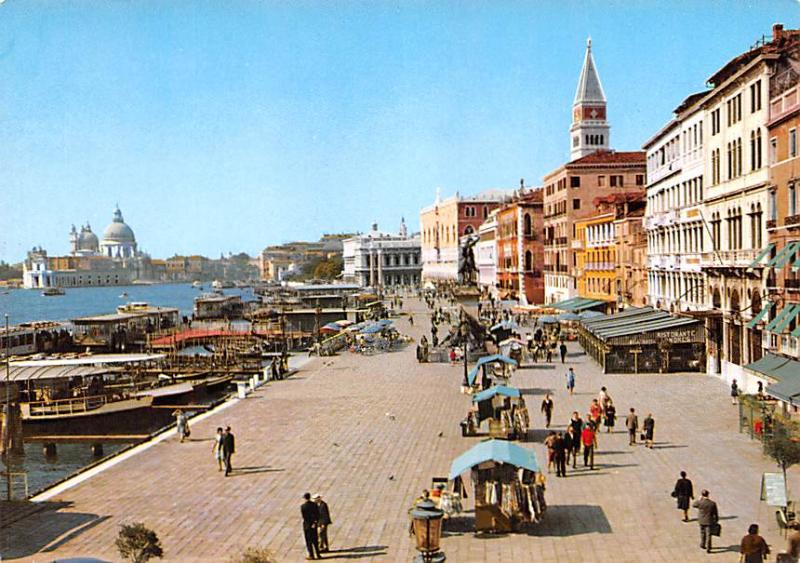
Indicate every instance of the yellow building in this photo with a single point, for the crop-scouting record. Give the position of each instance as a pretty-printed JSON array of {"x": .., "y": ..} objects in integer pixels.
[{"x": 595, "y": 256}]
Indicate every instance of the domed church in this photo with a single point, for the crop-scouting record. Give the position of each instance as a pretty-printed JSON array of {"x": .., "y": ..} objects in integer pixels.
[{"x": 118, "y": 239}]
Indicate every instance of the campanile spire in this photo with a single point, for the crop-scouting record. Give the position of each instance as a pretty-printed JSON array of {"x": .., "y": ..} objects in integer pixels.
[{"x": 590, "y": 129}]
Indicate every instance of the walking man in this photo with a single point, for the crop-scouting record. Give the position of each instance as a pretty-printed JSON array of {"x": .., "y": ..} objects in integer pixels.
[
  {"x": 323, "y": 523},
  {"x": 228, "y": 449},
  {"x": 547, "y": 409},
  {"x": 571, "y": 381},
  {"x": 649, "y": 427},
  {"x": 310, "y": 512},
  {"x": 563, "y": 350},
  {"x": 560, "y": 449},
  {"x": 632, "y": 424},
  {"x": 734, "y": 392},
  {"x": 707, "y": 517},
  {"x": 589, "y": 439},
  {"x": 575, "y": 427}
]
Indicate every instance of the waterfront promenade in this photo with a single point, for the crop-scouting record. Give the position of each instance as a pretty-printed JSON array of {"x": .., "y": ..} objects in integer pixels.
[{"x": 364, "y": 433}]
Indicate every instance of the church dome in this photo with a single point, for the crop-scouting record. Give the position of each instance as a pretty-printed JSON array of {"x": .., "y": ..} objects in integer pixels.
[
  {"x": 118, "y": 230},
  {"x": 87, "y": 240}
]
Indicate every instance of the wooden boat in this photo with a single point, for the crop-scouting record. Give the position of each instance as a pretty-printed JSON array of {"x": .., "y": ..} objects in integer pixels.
[{"x": 52, "y": 291}]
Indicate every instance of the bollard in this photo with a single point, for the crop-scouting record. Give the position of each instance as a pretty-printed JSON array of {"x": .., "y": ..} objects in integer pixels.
[
  {"x": 257, "y": 379},
  {"x": 49, "y": 450},
  {"x": 252, "y": 383},
  {"x": 97, "y": 450},
  {"x": 241, "y": 389},
  {"x": 266, "y": 373}
]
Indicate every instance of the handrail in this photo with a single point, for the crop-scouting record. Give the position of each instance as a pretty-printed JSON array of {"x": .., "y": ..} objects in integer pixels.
[{"x": 67, "y": 406}]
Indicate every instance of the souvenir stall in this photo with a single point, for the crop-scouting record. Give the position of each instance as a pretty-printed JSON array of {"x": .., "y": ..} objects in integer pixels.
[
  {"x": 505, "y": 410},
  {"x": 508, "y": 485},
  {"x": 490, "y": 368},
  {"x": 514, "y": 348}
]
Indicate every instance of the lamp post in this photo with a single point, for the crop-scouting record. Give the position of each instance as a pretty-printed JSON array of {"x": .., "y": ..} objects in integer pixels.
[
  {"x": 464, "y": 336},
  {"x": 428, "y": 532},
  {"x": 7, "y": 417}
]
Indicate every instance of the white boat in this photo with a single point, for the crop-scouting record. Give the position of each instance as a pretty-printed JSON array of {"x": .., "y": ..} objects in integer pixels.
[
  {"x": 197, "y": 284},
  {"x": 123, "y": 295}
]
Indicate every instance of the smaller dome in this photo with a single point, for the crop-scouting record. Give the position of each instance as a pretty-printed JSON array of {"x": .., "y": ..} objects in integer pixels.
[
  {"x": 87, "y": 240},
  {"x": 118, "y": 231}
]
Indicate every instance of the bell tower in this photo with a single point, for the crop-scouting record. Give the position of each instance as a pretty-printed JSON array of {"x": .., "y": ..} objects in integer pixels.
[{"x": 590, "y": 129}]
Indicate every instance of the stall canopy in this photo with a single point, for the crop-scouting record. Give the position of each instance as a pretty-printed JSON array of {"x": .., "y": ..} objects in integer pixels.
[
  {"x": 634, "y": 321},
  {"x": 505, "y": 325},
  {"x": 569, "y": 317},
  {"x": 331, "y": 327},
  {"x": 488, "y": 360},
  {"x": 498, "y": 451},
  {"x": 577, "y": 304},
  {"x": 547, "y": 319},
  {"x": 785, "y": 371},
  {"x": 496, "y": 390}
]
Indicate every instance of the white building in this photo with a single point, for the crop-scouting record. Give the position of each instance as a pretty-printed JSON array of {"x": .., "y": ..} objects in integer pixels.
[
  {"x": 676, "y": 237},
  {"x": 486, "y": 253},
  {"x": 378, "y": 259}
]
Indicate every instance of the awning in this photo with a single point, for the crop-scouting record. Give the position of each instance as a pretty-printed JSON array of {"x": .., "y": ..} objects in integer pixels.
[
  {"x": 499, "y": 451},
  {"x": 495, "y": 390},
  {"x": 761, "y": 255},
  {"x": 783, "y": 370},
  {"x": 783, "y": 255},
  {"x": 635, "y": 320},
  {"x": 761, "y": 314},
  {"x": 577, "y": 304},
  {"x": 568, "y": 317},
  {"x": 33, "y": 373},
  {"x": 786, "y": 316},
  {"x": 505, "y": 325}
]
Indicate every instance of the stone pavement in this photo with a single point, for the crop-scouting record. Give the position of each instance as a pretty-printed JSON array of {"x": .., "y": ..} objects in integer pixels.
[{"x": 364, "y": 433}]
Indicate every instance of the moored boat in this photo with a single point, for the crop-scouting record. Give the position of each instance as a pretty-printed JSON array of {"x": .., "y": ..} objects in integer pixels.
[{"x": 52, "y": 291}]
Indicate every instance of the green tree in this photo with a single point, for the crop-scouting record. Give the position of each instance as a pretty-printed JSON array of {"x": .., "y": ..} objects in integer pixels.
[
  {"x": 10, "y": 272},
  {"x": 784, "y": 446},
  {"x": 138, "y": 543}
]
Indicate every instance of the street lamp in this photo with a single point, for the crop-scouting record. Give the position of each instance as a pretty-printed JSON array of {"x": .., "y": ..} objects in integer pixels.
[{"x": 428, "y": 532}]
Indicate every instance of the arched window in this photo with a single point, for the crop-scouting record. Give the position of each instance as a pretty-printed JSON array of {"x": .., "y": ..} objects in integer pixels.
[
  {"x": 527, "y": 225},
  {"x": 528, "y": 261}
]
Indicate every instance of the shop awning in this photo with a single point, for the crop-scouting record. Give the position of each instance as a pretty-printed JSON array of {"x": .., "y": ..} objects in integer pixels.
[
  {"x": 505, "y": 325},
  {"x": 577, "y": 304},
  {"x": 786, "y": 316},
  {"x": 784, "y": 371},
  {"x": 761, "y": 314},
  {"x": 761, "y": 255},
  {"x": 569, "y": 317},
  {"x": 499, "y": 451},
  {"x": 635, "y": 321},
  {"x": 783, "y": 255},
  {"x": 495, "y": 390}
]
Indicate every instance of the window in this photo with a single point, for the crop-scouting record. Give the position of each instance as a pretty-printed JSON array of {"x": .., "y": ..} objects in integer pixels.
[
  {"x": 792, "y": 200},
  {"x": 755, "y": 96},
  {"x": 792, "y": 143},
  {"x": 640, "y": 179},
  {"x": 730, "y": 162},
  {"x": 616, "y": 181},
  {"x": 773, "y": 150},
  {"x": 575, "y": 181},
  {"x": 773, "y": 209},
  {"x": 485, "y": 211},
  {"x": 601, "y": 181},
  {"x": 715, "y": 122},
  {"x": 576, "y": 203}
]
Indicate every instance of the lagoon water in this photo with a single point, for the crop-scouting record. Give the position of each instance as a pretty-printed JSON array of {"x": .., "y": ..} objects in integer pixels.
[{"x": 23, "y": 305}]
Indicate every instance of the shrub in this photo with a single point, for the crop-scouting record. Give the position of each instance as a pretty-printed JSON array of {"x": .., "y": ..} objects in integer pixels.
[
  {"x": 138, "y": 543},
  {"x": 257, "y": 555}
]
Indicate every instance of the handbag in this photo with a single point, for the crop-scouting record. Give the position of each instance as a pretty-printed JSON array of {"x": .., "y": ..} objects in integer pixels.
[
  {"x": 642, "y": 436},
  {"x": 716, "y": 529},
  {"x": 673, "y": 494}
]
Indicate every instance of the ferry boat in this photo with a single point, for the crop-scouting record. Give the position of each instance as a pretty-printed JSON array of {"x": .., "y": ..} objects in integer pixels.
[
  {"x": 53, "y": 291},
  {"x": 197, "y": 285},
  {"x": 103, "y": 394}
]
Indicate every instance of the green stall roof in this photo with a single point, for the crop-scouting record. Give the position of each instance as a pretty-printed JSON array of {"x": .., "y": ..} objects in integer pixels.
[
  {"x": 784, "y": 370},
  {"x": 494, "y": 450}
]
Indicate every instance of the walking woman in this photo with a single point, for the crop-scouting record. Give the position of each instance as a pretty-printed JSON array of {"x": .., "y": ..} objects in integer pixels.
[
  {"x": 684, "y": 493},
  {"x": 216, "y": 449},
  {"x": 648, "y": 426},
  {"x": 611, "y": 415},
  {"x": 181, "y": 424}
]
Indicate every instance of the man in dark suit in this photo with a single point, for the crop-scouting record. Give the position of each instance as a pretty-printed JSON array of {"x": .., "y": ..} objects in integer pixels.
[
  {"x": 228, "y": 449},
  {"x": 310, "y": 512},
  {"x": 707, "y": 517}
]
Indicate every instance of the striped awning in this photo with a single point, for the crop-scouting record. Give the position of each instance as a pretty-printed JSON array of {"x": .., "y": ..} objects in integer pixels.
[
  {"x": 761, "y": 255},
  {"x": 761, "y": 314},
  {"x": 783, "y": 255},
  {"x": 786, "y": 316}
]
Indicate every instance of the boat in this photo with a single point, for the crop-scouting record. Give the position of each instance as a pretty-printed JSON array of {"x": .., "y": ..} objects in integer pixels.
[
  {"x": 141, "y": 282},
  {"x": 197, "y": 285},
  {"x": 216, "y": 284},
  {"x": 52, "y": 291},
  {"x": 123, "y": 295}
]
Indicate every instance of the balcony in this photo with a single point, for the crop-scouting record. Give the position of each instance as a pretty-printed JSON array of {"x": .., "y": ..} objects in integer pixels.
[
  {"x": 792, "y": 285},
  {"x": 561, "y": 241},
  {"x": 792, "y": 221},
  {"x": 729, "y": 258},
  {"x": 577, "y": 244},
  {"x": 600, "y": 266},
  {"x": 771, "y": 224}
]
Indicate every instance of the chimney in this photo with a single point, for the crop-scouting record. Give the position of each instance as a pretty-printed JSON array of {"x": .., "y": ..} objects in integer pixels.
[{"x": 777, "y": 31}]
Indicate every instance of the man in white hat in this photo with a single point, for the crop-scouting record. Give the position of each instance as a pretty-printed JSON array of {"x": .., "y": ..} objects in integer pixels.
[{"x": 323, "y": 523}]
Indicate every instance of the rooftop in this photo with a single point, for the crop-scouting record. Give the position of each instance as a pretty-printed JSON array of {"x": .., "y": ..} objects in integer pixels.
[{"x": 610, "y": 157}]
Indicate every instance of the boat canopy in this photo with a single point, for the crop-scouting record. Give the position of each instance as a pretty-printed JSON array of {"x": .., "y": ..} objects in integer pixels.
[
  {"x": 91, "y": 360},
  {"x": 499, "y": 451},
  {"x": 35, "y": 373},
  {"x": 495, "y": 390}
]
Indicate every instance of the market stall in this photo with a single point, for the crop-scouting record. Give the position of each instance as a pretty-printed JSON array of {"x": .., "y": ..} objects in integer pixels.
[
  {"x": 508, "y": 485},
  {"x": 491, "y": 367},
  {"x": 504, "y": 408},
  {"x": 644, "y": 340}
]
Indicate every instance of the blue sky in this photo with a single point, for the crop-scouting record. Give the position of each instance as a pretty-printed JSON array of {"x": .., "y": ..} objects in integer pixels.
[{"x": 228, "y": 126}]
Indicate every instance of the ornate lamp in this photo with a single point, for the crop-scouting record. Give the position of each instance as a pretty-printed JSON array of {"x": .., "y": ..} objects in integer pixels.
[{"x": 428, "y": 532}]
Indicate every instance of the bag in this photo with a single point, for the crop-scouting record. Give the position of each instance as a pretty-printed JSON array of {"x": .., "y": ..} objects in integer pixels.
[
  {"x": 642, "y": 436},
  {"x": 716, "y": 529},
  {"x": 673, "y": 494}
]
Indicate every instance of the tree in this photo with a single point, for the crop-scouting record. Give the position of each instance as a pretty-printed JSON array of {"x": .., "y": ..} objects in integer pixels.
[
  {"x": 138, "y": 543},
  {"x": 784, "y": 446},
  {"x": 10, "y": 272}
]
